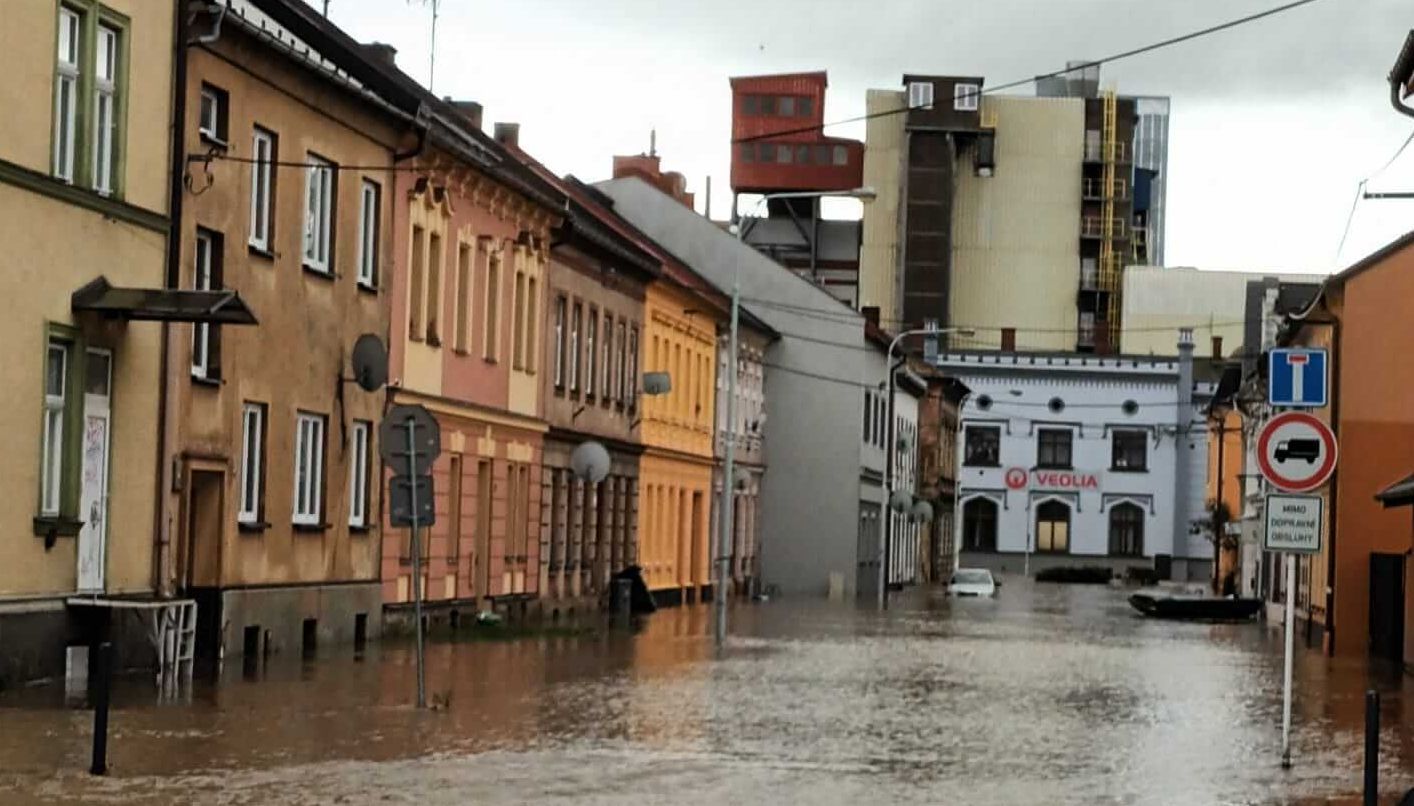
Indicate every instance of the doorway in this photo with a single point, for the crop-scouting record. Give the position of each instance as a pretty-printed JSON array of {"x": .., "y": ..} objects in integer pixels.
[
  {"x": 1387, "y": 606},
  {"x": 93, "y": 492},
  {"x": 867, "y": 549},
  {"x": 481, "y": 556}
]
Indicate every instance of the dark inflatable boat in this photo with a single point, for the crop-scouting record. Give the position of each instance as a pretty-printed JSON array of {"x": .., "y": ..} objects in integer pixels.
[{"x": 1193, "y": 605}]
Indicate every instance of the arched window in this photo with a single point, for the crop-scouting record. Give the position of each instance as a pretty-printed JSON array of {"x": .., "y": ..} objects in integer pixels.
[
  {"x": 979, "y": 525},
  {"x": 1053, "y": 527},
  {"x": 1126, "y": 530}
]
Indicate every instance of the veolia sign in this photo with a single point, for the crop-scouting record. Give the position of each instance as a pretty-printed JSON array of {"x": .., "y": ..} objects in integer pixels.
[{"x": 1041, "y": 479}]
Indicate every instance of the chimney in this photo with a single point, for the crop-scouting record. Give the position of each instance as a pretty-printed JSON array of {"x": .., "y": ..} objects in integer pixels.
[
  {"x": 381, "y": 53},
  {"x": 508, "y": 134},
  {"x": 1008, "y": 339},
  {"x": 1217, "y": 347},
  {"x": 469, "y": 110}
]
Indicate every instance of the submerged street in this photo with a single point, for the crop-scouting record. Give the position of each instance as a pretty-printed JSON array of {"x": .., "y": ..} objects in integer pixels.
[{"x": 1047, "y": 694}]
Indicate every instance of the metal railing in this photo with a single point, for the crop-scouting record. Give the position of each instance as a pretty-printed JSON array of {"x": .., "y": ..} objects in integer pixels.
[{"x": 1094, "y": 227}]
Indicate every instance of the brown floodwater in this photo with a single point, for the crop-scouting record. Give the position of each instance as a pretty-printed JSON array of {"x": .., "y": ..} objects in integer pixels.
[{"x": 1046, "y": 695}]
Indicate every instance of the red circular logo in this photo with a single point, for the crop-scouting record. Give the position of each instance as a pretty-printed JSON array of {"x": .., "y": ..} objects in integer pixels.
[
  {"x": 1296, "y": 452},
  {"x": 1016, "y": 477}
]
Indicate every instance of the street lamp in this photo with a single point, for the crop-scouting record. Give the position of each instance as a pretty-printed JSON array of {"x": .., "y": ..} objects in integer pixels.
[
  {"x": 724, "y": 539},
  {"x": 889, "y": 447}
]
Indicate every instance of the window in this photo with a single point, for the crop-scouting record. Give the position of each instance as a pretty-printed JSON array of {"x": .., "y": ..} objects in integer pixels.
[
  {"x": 417, "y": 279},
  {"x": 767, "y": 104},
  {"x": 607, "y": 377},
  {"x": 979, "y": 525},
  {"x": 619, "y": 374},
  {"x": 206, "y": 276},
  {"x": 590, "y": 357},
  {"x": 560, "y": 306},
  {"x": 368, "y": 214},
  {"x": 749, "y": 105},
  {"x": 105, "y": 115},
  {"x": 1053, "y": 527},
  {"x": 309, "y": 468},
  {"x": 434, "y": 288},
  {"x": 804, "y": 107},
  {"x": 213, "y": 114},
  {"x": 493, "y": 305},
  {"x": 920, "y": 95},
  {"x": 66, "y": 92},
  {"x": 965, "y": 97},
  {"x": 802, "y": 155},
  {"x": 518, "y": 321},
  {"x": 822, "y": 155},
  {"x": 574, "y": 359},
  {"x": 1130, "y": 450},
  {"x": 360, "y": 437},
  {"x": 462, "y": 321},
  {"x": 785, "y": 107},
  {"x": 783, "y": 153},
  {"x": 633, "y": 367},
  {"x": 841, "y": 155},
  {"x": 766, "y": 152},
  {"x": 868, "y": 416},
  {"x": 252, "y": 463},
  {"x": 318, "y": 214},
  {"x": 748, "y": 152},
  {"x": 531, "y": 311},
  {"x": 983, "y": 446},
  {"x": 56, "y": 374},
  {"x": 262, "y": 184},
  {"x": 1053, "y": 448},
  {"x": 1126, "y": 530}
]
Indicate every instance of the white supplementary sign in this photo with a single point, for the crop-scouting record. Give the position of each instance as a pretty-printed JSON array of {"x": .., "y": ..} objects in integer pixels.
[{"x": 1294, "y": 524}]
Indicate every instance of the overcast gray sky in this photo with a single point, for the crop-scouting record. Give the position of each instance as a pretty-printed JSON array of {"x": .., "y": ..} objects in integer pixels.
[{"x": 1273, "y": 123}]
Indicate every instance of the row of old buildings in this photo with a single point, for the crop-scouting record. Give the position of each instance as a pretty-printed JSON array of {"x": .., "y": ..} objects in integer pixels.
[{"x": 236, "y": 236}]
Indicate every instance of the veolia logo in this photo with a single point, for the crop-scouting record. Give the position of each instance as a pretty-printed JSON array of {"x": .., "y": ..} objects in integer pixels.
[
  {"x": 1015, "y": 478},
  {"x": 1066, "y": 480}
]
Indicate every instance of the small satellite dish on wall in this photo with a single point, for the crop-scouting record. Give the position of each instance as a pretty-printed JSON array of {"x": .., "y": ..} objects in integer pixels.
[{"x": 370, "y": 363}]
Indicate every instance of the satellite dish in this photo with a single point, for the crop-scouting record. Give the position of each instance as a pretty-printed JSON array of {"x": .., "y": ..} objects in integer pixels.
[
  {"x": 922, "y": 511},
  {"x": 370, "y": 363},
  {"x": 901, "y": 501},
  {"x": 590, "y": 462},
  {"x": 657, "y": 383}
]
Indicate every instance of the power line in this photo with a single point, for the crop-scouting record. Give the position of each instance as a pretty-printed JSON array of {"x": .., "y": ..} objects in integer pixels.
[
  {"x": 1020, "y": 82},
  {"x": 1360, "y": 194}
]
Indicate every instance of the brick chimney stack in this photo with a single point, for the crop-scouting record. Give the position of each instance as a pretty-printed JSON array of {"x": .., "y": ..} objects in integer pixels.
[
  {"x": 649, "y": 168},
  {"x": 508, "y": 134},
  {"x": 470, "y": 111}
]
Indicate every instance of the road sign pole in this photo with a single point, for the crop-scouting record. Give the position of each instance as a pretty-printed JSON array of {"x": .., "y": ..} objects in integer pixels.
[
  {"x": 1286, "y": 670},
  {"x": 417, "y": 570}
]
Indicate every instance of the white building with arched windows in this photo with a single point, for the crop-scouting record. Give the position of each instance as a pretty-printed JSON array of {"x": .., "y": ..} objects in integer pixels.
[{"x": 1082, "y": 460}]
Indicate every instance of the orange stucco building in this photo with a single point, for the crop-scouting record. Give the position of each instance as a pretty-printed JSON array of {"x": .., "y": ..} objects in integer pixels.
[{"x": 1362, "y": 313}]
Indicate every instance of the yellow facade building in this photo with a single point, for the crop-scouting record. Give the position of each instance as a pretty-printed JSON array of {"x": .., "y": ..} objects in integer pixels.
[
  {"x": 83, "y": 186},
  {"x": 681, "y": 318}
]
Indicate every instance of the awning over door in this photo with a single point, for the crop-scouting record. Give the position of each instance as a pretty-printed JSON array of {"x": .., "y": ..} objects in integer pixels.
[
  {"x": 1398, "y": 494},
  {"x": 222, "y": 307}
]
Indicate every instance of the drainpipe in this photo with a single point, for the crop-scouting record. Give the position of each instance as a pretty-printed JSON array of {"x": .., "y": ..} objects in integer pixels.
[
  {"x": 162, "y": 576},
  {"x": 1182, "y": 455},
  {"x": 1334, "y": 491}
]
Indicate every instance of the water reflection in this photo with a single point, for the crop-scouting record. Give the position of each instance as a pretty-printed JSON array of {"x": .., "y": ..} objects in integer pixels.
[{"x": 1045, "y": 695}]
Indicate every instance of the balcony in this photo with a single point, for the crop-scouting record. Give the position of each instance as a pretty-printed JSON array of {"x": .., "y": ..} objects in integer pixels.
[
  {"x": 1094, "y": 189},
  {"x": 1116, "y": 152},
  {"x": 1094, "y": 227}
]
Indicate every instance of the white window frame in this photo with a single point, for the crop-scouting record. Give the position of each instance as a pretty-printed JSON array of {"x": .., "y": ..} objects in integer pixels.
[
  {"x": 360, "y": 441},
  {"x": 66, "y": 105},
  {"x": 576, "y": 322},
  {"x": 202, "y": 256},
  {"x": 369, "y": 196},
  {"x": 208, "y": 126},
  {"x": 561, "y": 304},
  {"x": 262, "y": 152},
  {"x": 318, "y": 213},
  {"x": 105, "y": 106},
  {"x": 966, "y": 97},
  {"x": 621, "y": 363},
  {"x": 309, "y": 469},
  {"x": 252, "y": 461},
  {"x": 920, "y": 95},
  {"x": 52, "y": 435},
  {"x": 632, "y": 373},
  {"x": 591, "y": 329}
]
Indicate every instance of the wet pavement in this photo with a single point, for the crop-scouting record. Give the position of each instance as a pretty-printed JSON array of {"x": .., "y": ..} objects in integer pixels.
[{"x": 1046, "y": 695}]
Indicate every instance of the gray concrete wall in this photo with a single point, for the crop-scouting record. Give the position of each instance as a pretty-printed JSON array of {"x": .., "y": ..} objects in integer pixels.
[
  {"x": 814, "y": 399},
  {"x": 280, "y": 613}
]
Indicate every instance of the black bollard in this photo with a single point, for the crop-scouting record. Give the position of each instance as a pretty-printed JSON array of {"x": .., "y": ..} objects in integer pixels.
[
  {"x": 103, "y": 684},
  {"x": 1372, "y": 747}
]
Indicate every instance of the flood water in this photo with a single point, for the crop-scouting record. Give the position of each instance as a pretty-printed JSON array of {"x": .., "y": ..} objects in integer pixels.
[{"x": 1046, "y": 695}]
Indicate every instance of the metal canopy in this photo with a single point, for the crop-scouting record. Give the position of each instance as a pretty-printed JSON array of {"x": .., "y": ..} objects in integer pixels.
[
  {"x": 223, "y": 307},
  {"x": 1398, "y": 494}
]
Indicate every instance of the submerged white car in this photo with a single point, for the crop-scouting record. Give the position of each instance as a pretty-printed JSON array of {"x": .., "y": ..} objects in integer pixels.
[{"x": 972, "y": 582}]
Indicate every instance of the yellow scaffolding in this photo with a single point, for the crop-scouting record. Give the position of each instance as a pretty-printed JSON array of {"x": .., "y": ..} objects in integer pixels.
[{"x": 1110, "y": 268}]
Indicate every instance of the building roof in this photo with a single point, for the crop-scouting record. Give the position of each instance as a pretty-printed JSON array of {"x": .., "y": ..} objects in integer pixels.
[
  {"x": 1403, "y": 72},
  {"x": 745, "y": 82},
  {"x": 1398, "y": 494}
]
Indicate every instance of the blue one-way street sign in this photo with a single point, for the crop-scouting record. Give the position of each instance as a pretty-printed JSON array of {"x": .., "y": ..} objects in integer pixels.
[{"x": 1297, "y": 378}]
